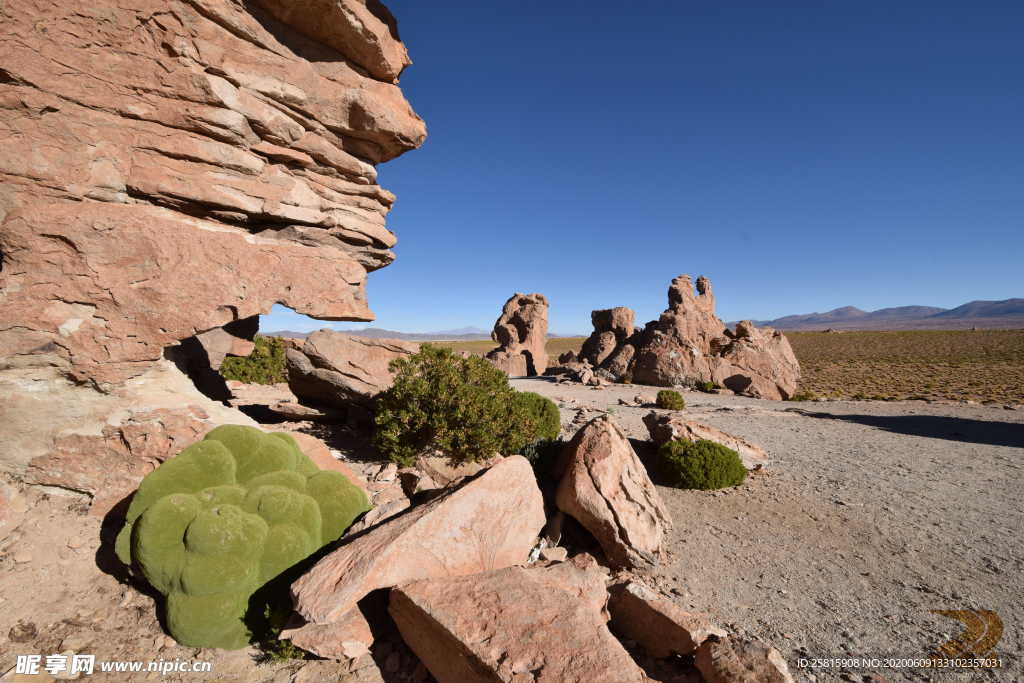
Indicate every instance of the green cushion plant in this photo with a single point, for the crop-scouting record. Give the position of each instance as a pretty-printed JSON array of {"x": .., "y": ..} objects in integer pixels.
[
  {"x": 227, "y": 515},
  {"x": 700, "y": 464}
]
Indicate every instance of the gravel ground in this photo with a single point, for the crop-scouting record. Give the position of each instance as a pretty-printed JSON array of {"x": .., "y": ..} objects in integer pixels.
[{"x": 870, "y": 516}]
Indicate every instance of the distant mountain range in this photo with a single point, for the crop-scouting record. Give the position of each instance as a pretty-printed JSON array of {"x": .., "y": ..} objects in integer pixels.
[
  {"x": 461, "y": 334},
  {"x": 1008, "y": 313}
]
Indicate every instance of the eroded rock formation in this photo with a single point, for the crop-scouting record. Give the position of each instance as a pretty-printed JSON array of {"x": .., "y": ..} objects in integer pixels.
[
  {"x": 688, "y": 345},
  {"x": 170, "y": 168},
  {"x": 336, "y": 369},
  {"x": 521, "y": 332}
]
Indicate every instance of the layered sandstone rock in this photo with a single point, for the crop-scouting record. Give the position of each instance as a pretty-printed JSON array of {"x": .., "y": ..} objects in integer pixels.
[
  {"x": 543, "y": 623},
  {"x": 169, "y": 169},
  {"x": 672, "y": 427},
  {"x": 610, "y": 348},
  {"x": 605, "y": 487},
  {"x": 521, "y": 332},
  {"x": 336, "y": 369},
  {"x": 491, "y": 521}
]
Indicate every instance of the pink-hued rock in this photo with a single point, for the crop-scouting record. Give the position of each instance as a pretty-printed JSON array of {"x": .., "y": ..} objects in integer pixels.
[
  {"x": 174, "y": 169},
  {"x": 739, "y": 660},
  {"x": 605, "y": 487},
  {"x": 521, "y": 332},
  {"x": 543, "y": 623},
  {"x": 672, "y": 427},
  {"x": 689, "y": 344},
  {"x": 319, "y": 453},
  {"x": 362, "y": 30},
  {"x": 333, "y": 368},
  {"x": 658, "y": 625},
  {"x": 348, "y": 638},
  {"x": 491, "y": 521}
]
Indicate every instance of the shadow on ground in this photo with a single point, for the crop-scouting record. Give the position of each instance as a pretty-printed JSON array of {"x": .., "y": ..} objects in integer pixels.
[{"x": 939, "y": 427}]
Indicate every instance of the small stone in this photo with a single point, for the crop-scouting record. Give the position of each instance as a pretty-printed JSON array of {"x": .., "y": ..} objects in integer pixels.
[
  {"x": 22, "y": 632},
  {"x": 387, "y": 472},
  {"x": 22, "y": 557},
  {"x": 555, "y": 554},
  {"x": 75, "y": 542}
]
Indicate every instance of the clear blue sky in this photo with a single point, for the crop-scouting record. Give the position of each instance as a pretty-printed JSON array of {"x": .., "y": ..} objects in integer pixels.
[{"x": 802, "y": 155}]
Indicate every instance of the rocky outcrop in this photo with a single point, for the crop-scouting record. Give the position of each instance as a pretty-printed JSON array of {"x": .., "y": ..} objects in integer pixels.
[
  {"x": 521, "y": 333},
  {"x": 689, "y": 345},
  {"x": 669, "y": 427},
  {"x": 174, "y": 168},
  {"x": 605, "y": 487},
  {"x": 543, "y": 623},
  {"x": 336, "y": 369},
  {"x": 491, "y": 521}
]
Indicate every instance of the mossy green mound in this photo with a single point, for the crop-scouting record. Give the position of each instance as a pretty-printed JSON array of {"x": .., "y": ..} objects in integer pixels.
[
  {"x": 700, "y": 464},
  {"x": 224, "y": 517}
]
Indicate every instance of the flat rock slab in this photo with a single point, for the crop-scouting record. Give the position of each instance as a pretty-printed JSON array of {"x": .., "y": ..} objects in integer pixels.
[
  {"x": 543, "y": 623},
  {"x": 490, "y": 522},
  {"x": 740, "y": 660},
  {"x": 659, "y": 626}
]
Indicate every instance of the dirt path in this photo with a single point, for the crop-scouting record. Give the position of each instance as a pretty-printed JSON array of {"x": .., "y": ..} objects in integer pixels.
[{"x": 871, "y": 515}]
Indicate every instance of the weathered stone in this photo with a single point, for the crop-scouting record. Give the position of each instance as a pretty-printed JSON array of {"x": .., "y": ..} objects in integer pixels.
[
  {"x": 234, "y": 339},
  {"x": 658, "y": 625},
  {"x": 490, "y": 521},
  {"x": 337, "y": 369},
  {"x": 515, "y": 624},
  {"x": 174, "y": 170},
  {"x": 690, "y": 345},
  {"x": 522, "y": 334},
  {"x": 320, "y": 454},
  {"x": 346, "y": 639},
  {"x": 671, "y": 427},
  {"x": 554, "y": 554},
  {"x": 605, "y": 487},
  {"x": 739, "y": 660}
]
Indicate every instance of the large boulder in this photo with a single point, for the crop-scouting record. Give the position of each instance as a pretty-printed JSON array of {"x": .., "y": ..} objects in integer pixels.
[
  {"x": 673, "y": 427},
  {"x": 543, "y": 623},
  {"x": 609, "y": 348},
  {"x": 489, "y": 522},
  {"x": 521, "y": 332},
  {"x": 605, "y": 487},
  {"x": 336, "y": 369},
  {"x": 141, "y": 218},
  {"x": 688, "y": 345}
]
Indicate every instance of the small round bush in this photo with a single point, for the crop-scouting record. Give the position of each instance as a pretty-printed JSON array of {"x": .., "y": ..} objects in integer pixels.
[
  {"x": 460, "y": 406},
  {"x": 542, "y": 414},
  {"x": 708, "y": 387},
  {"x": 670, "y": 400},
  {"x": 703, "y": 464}
]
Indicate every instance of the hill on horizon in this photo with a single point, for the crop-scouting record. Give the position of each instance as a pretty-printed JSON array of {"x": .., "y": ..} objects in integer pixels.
[{"x": 1007, "y": 313}]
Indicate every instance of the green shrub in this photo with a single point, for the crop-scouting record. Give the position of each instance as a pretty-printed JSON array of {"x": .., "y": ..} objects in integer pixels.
[
  {"x": 707, "y": 387},
  {"x": 542, "y": 413},
  {"x": 265, "y": 365},
  {"x": 228, "y": 514},
  {"x": 700, "y": 464},
  {"x": 803, "y": 396},
  {"x": 670, "y": 400},
  {"x": 462, "y": 407}
]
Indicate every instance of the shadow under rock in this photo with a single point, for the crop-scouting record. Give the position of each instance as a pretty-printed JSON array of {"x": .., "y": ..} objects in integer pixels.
[
  {"x": 961, "y": 429},
  {"x": 648, "y": 454}
]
